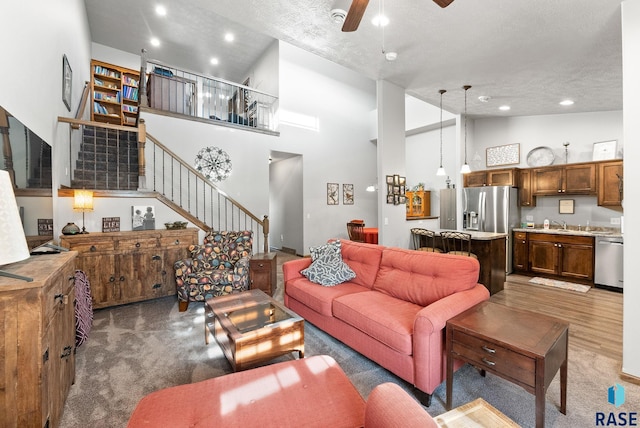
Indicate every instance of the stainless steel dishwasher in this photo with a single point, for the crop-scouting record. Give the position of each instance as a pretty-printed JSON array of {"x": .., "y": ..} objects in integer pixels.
[{"x": 608, "y": 269}]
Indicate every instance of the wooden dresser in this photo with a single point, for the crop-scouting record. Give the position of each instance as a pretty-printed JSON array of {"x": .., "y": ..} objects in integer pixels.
[
  {"x": 37, "y": 347},
  {"x": 125, "y": 267}
]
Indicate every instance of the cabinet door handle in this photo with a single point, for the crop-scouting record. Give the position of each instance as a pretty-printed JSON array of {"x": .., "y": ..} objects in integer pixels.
[
  {"x": 488, "y": 362},
  {"x": 260, "y": 265},
  {"x": 112, "y": 278},
  {"x": 93, "y": 248},
  {"x": 59, "y": 297},
  {"x": 177, "y": 242},
  {"x": 122, "y": 278},
  {"x": 137, "y": 245},
  {"x": 156, "y": 286},
  {"x": 559, "y": 245},
  {"x": 156, "y": 257},
  {"x": 66, "y": 352},
  {"x": 489, "y": 350}
]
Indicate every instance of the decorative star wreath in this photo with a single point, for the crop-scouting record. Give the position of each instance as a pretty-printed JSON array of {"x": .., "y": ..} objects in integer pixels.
[{"x": 214, "y": 163}]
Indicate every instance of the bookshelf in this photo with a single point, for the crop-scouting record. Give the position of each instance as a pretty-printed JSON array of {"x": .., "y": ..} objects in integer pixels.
[{"x": 114, "y": 93}]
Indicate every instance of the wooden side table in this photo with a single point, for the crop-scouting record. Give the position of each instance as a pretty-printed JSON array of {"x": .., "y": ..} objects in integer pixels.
[
  {"x": 520, "y": 346},
  {"x": 262, "y": 272}
]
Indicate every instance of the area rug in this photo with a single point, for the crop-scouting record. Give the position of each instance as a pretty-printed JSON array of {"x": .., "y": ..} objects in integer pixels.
[{"x": 560, "y": 284}]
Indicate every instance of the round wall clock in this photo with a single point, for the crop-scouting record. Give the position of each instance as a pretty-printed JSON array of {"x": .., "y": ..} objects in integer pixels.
[{"x": 214, "y": 163}]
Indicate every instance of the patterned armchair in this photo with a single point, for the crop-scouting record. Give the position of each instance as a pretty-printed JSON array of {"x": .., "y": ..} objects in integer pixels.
[{"x": 217, "y": 267}]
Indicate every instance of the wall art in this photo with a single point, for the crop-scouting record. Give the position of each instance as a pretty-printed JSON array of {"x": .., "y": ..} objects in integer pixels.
[
  {"x": 503, "y": 155},
  {"x": 67, "y": 76},
  {"x": 347, "y": 194},
  {"x": 143, "y": 217},
  {"x": 333, "y": 197}
]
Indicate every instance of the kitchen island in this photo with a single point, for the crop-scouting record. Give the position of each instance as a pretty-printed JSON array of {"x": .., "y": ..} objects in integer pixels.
[{"x": 491, "y": 249}]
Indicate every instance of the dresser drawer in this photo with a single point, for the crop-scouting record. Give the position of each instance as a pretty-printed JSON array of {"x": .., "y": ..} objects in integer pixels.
[
  {"x": 137, "y": 244},
  {"x": 487, "y": 355},
  {"x": 96, "y": 246}
]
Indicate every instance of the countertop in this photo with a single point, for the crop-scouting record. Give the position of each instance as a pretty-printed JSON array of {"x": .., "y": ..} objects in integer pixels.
[
  {"x": 615, "y": 233},
  {"x": 478, "y": 236}
]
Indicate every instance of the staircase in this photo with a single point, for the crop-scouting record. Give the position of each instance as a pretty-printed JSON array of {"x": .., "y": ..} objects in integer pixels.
[{"x": 107, "y": 159}]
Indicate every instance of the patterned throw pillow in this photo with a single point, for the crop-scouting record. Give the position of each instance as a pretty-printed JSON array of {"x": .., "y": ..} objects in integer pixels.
[{"x": 327, "y": 267}]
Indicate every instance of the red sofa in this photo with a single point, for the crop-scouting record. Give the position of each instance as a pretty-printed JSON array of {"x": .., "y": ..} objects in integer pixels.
[
  {"x": 310, "y": 392},
  {"x": 395, "y": 310}
]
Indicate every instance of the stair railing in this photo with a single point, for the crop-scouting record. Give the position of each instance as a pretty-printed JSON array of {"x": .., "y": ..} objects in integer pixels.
[{"x": 164, "y": 175}]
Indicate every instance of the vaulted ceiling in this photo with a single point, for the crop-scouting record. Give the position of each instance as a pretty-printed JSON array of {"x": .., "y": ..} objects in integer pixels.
[{"x": 527, "y": 54}]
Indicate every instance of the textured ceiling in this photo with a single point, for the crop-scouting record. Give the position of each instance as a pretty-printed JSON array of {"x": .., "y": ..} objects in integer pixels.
[{"x": 527, "y": 54}]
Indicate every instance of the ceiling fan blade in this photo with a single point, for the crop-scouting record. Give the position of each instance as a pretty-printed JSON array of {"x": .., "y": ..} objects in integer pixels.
[
  {"x": 443, "y": 3},
  {"x": 354, "y": 16}
]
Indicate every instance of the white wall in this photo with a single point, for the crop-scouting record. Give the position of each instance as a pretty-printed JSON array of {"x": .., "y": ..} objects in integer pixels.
[{"x": 631, "y": 89}]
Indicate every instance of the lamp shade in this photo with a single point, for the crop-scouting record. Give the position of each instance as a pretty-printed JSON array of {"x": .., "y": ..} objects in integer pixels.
[
  {"x": 13, "y": 243},
  {"x": 83, "y": 200}
]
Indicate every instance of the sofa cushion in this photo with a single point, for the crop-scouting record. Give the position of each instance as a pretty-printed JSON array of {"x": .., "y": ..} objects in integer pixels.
[
  {"x": 387, "y": 319},
  {"x": 363, "y": 259},
  {"x": 423, "y": 277},
  {"x": 327, "y": 267},
  {"x": 317, "y": 297}
]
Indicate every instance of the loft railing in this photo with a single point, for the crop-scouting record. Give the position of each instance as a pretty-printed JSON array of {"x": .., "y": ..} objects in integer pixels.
[
  {"x": 161, "y": 174},
  {"x": 170, "y": 89}
]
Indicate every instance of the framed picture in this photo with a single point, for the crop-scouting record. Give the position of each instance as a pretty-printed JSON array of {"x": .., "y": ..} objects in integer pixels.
[
  {"x": 503, "y": 155},
  {"x": 332, "y": 194},
  {"x": 347, "y": 194},
  {"x": 390, "y": 179},
  {"x": 389, "y": 198},
  {"x": 604, "y": 150},
  {"x": 396, "y": 180},
  {"x": 67, "y": 76},
  {"x": 111, "y": 224},
  {"x": 566, "y": 206},
  {"x": 402, "y": 181},
  {"x": 143, "y": 217},
  {"x": 45, "y": 226}
]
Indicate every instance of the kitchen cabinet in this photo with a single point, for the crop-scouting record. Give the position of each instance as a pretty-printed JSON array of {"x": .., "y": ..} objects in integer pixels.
[
  {"x": 520, "y": 252},
  {"x": 448, "y": 209},
  {"x": 572, "y": 179},
  {"x": 561, "y": 255},
  {"x": 610, "y": 184},
  {"x": 37, "y": 350},
  {"x": 418, "y": 203},
  {"x": 125, "y": 267},
  {"x": 525, "y": 195},
  {"x": 492, "y": 177}
]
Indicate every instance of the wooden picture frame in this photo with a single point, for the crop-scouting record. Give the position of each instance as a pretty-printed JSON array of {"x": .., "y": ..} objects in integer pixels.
[
  {"x": 347, "y": 194},
  {"x": 508, "y": 154},
  {"x": 566, "y": 206},
  {"x": 333, "y": 194}
]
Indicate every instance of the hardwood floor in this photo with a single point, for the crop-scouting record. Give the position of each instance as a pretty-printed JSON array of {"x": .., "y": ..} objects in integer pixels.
[{"x": 595, "y": 317}]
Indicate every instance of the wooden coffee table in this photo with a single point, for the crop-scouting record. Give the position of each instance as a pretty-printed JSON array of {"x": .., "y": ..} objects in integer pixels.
[
  {"x": 252, "y": 328},
  {"x": 520, "y": 346}
]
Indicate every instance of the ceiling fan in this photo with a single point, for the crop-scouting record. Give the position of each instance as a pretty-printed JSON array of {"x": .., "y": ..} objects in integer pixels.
[{"x": 356, "y": 11}]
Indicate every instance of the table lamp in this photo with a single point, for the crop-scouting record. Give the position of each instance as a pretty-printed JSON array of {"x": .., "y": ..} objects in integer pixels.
[
  {"x": 13, "y": 243},
  {"x": 83, "y": 201}
]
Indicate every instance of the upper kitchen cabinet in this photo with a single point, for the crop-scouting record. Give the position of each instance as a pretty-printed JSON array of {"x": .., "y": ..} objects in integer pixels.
[
  {"x": 525, "y": 194},
  {"x": 492, "y": 177},
  {"x": 574, "y": 179},
  {"x": 610, "y": 191}
]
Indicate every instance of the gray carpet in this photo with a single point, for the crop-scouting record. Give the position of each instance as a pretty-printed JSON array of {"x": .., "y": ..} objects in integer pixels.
[{"x": 139, "y": 348}]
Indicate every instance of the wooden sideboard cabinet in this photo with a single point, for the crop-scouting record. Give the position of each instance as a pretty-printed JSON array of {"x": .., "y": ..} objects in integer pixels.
[
  {"x": 125, "y": 267},
  {"x": 262, "y": 272},
  {"x": 610, "y": 184},
  {"x": 37, "y": 351}
]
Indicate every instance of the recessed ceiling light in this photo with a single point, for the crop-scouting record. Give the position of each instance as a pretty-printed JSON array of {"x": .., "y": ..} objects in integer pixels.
[
  {"x": 214, "y": 61},
  {"x": 380, "y": 20},
  {"x": 161, "y": 10},
  {"x": 566, "y": 102},
  {"x": 155, "y": 42},
  {"x": 484, "y": 98},
  {"x": 504, "y": 108},
  {"x": 229, "y": 37},
  {"x": 391, "y": 56}
]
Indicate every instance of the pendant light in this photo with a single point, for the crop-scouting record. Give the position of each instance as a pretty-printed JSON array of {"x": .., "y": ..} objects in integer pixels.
[
  {"x": 465, "y": 168},
  {"x": 441, "y": 171}
]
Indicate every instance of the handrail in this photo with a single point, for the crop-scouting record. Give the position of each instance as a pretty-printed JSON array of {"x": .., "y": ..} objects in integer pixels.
[{"x": 83, "y": 102}]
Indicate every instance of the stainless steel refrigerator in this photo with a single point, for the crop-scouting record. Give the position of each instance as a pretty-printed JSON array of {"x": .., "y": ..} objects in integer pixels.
[{"x": 492, "y": 209}]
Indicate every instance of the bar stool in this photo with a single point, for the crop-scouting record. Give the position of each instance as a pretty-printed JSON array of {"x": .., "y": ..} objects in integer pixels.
[
  {"x": 458, "y": 243},
  {"x": 424, "y": 240}
]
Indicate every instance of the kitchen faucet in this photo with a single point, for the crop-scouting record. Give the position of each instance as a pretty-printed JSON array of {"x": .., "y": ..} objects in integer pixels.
[{"x": 563, "y": 224}]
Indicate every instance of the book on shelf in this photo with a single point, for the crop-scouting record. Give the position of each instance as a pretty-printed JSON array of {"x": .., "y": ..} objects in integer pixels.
[{"x": 103, "y": 71}]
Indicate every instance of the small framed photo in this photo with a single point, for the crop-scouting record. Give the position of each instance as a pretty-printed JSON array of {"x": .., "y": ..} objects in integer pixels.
[
  {"x": 111, "y": 224},
  {"x": 402, "y": 181},
  {"x": 390, "y": 179},
  {"x": 396, "y": 180},
  {"x": 347, "y": 194},
  {"x": 390, "y": 198},
  {"x": 143, "y": 217},
  {"x": 67, "y": 76},
  {"x": 333, "y": 197},
  {"x": 45, "y": 226},
  {"x": 604, "y": 150},
  {"x": 566, "y": 206}
]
